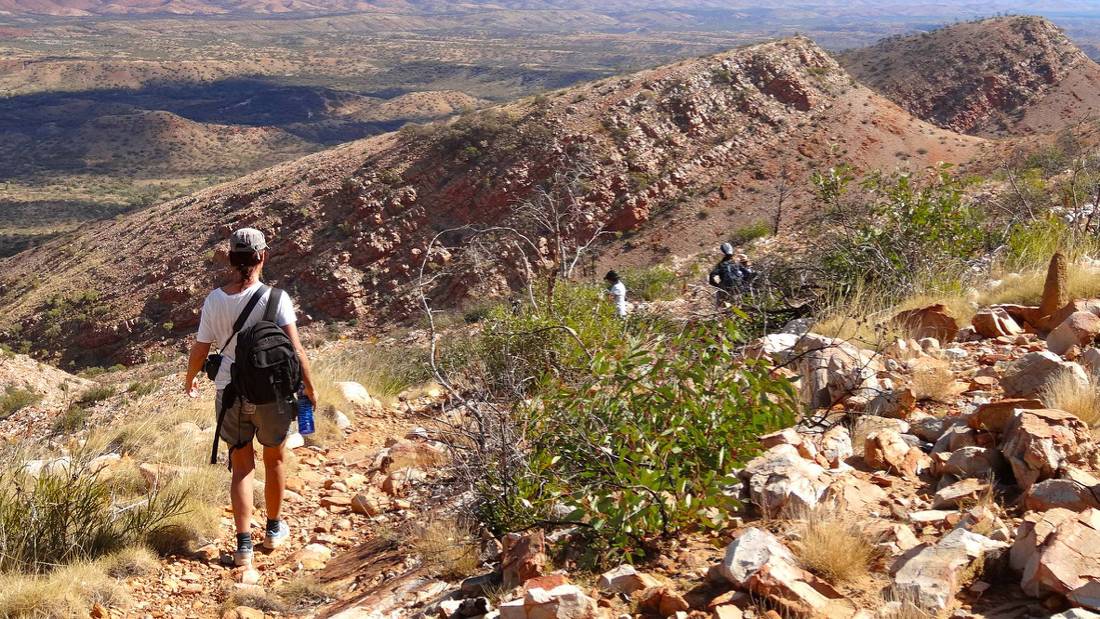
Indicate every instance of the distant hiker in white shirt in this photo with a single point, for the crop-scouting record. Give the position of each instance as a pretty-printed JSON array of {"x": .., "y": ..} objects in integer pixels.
[
  {"x": 617, "y": 292},
  {"x": 243, "y": 421}
]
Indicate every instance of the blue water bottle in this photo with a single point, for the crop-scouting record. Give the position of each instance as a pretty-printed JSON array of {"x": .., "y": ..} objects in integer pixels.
[{"x": 305, "y": 414}]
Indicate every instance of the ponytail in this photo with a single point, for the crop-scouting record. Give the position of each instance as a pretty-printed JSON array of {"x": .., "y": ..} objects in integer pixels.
[{"x": 245, "y": 263}]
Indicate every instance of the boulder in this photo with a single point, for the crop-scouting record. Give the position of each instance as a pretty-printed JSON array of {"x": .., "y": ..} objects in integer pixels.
[
  {"x": 994, "y": 416},
  {"x": 980, "y": 462},
  {"x": 836, "y": 445},
  {"x": 964, "y": 490},
  {"x": 886, "y": 450},
  {"x": 781, "y": 482},
  {"x": 833, "y": 370},
  {"x": 776, "y": 347},
  {"x": 934, "y": 321},
  {"x": 1061, "y": 493},
  {"x": 1040, "y": 443},
  {"x": 790, "y": 436},
  {"x": 1065, "y": 560},
  {"x": 864, "y": 425},
  {"x": 955, "y": 437},
  {"x": 664, "y": 601},
  {"x": 935, "y": 574},
  {"x": 995, "y": 322},
  {"x": 854, "y": 495},
  {"x": 1079, "y": 329},
  {"x": 313, "y": 556},
  {"x": 561, "y": 602},
  {"x": 626, "y": 580},
  {"x": 523, "y": 557},
  {"x": 355, "y": 394},
  {"x": 894, "y": 403},
  {"x": 758, "y": 562},
  {"x": 1076, "y": 613},
  {"x": 1090, "y": 358},
  {"x": 1028, "y": 374}
]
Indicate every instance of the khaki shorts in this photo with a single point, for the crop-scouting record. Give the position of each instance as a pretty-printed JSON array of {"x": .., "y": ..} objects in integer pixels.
[{"x": 267, "y": 423}]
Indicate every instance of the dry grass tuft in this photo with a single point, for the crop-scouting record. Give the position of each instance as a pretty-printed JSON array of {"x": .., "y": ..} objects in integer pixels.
[
  {"x": 130, "y": 563},
  {"x": 447, "y": 548},
  {"x": 834, "y": 546},
  {"x": 1065, "y": 393},
  {"x": 865, "y": 317},
  {"x": 304, "y": 591},
  {"x": 934, "y": 381},
  {"x": 69, "y": 591}
]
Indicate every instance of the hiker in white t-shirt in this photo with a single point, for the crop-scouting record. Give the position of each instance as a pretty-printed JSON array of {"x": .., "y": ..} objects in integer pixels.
[
  {"x": 617, "y": 292},
  {"x": 243, "y": 422}
]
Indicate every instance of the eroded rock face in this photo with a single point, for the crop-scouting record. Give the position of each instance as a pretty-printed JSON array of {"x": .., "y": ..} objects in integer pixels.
[
  {"x": 561, "y": 602},
  {"x": 833, "y": 370},
  {"x": 1039, "y": 444},
  {"x": 781, "y": 482},
  {"x": 1079, "y": 329},
  {"x": 758, "y": 562},
  {"x": 1026, "y": 377},
  {"x": 934, "y": 575},
  {"x": 995, "y": 322},
  {"x": 1064, "y": 560},
  {"x": 522, "y": 558}
]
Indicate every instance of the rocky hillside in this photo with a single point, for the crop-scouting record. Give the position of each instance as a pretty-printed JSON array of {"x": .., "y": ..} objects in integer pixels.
[
  {"x": 667, "y": 161},
  {"x": 1005, "y": 76}
]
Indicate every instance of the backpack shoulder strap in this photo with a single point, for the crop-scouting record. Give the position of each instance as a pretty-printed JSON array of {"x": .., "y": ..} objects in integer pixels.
[
  {"x": 273, "y": 301},
  {"x": 245, "y": 313}
]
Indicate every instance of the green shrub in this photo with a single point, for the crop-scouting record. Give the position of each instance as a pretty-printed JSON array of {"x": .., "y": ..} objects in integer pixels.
[
  {"x": 96, "y": 394},
  {"x": 68, "y": 515},
  {"x": 651, "y": 284},
  {"x": 895, "y": 231},
  {"x": 74, "y": 418},
  {"x": 751, "y": 232},
  {"x": 649, "y": 442},
  {"x": 141, "y": 388},
  {"x": 16, "y": 399}
]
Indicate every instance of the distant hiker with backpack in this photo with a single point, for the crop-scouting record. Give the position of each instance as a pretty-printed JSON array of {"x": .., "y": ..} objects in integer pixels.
[
  {"x": 259, "y": 368},
  {"x": 731, "y": 276}
]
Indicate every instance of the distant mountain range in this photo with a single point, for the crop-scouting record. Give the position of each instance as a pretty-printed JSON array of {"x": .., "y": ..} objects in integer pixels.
[{"x": 855, "y": 8}]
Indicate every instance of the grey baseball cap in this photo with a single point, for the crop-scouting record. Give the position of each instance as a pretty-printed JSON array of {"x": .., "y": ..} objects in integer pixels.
[{"x": 247, "y": 240}]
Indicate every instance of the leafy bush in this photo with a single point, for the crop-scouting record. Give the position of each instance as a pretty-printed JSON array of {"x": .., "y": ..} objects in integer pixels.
[
  {"x": 16, "y": 399},
  {"x": 648, "y": 443},
  {"x": 519, "y": 349},
  {"x": 651, "y": 284},
  {"x": 898, "y": 229},
  {"x": 68, "y": 515}
]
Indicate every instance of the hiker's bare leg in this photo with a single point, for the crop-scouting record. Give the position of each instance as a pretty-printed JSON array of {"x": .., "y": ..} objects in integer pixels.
[
  {"x": 274, "y": 480},
  {"x": 240, "y": 490}
]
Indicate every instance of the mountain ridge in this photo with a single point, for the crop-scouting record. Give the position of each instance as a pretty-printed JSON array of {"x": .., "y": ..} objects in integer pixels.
[
  {"x": 694, "y": 146},
  {"x": 995, "y": 77}
]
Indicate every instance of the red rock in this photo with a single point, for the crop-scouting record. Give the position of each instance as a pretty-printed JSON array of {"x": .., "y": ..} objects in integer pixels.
[
  {"x": 995, "y": 322},
  {"x": 1079, "y": 329},
  {"x": 933, "y": 321},
  {"x": 1040, "y": 443},
  {"x": 523, "y": 557},
  {"x": 994, "y": 416}
]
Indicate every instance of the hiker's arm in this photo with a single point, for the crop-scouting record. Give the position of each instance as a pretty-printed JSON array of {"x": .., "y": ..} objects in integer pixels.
[
  {"x": 199, "y": 351},
  {"x": 307, "y": 374}
]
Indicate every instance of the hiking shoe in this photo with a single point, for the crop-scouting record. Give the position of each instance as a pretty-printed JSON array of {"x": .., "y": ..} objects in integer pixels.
[
  {"x": 242, "y": 557},
  {"x": 277, "y": 533}
]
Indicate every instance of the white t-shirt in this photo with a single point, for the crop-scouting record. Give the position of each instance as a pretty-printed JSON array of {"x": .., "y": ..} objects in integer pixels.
[
  {"x": 220, "y": 311},
  {"x": 618, "y": 295}
]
